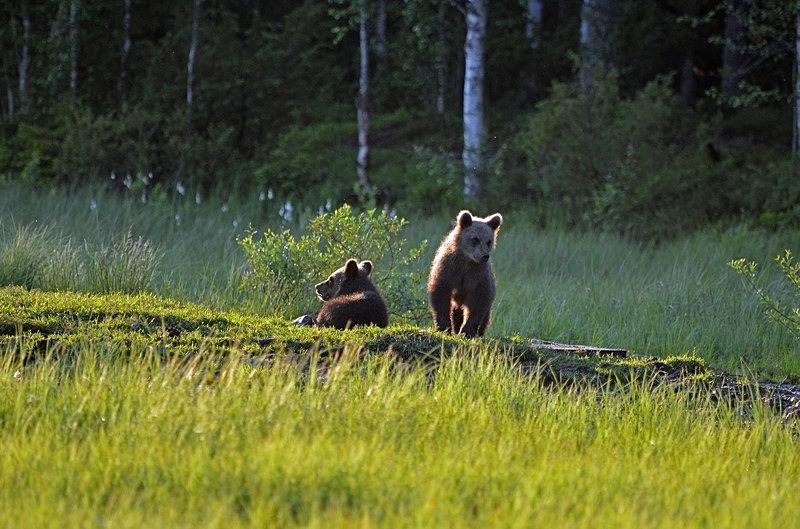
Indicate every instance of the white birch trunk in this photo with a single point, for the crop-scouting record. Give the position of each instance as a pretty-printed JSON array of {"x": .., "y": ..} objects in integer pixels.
[
  {"x": 441, "y": 61},
  {"x": 192, "y": 53},
  {"x": 796, "y": 127},
  {"x": 590, "y": 55},
  {"x": 73, "y": 47},
  {"x": 533, "y": 23},
  {"x": 380, "y": 29},
  {"x": 731, "y": 52},
  {"x": 362, "y": 106},
  {"x": 24, "y": 59},
  {"x": 122, "y": 80},
  {"x": 9, "y": 90},
  {"x": 472, "y": 156}
]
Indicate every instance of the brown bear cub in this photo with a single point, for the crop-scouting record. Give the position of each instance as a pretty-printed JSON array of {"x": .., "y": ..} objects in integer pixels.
[
  {"x": 461, "y": 285},
  {"x": 350, "y": 298}
]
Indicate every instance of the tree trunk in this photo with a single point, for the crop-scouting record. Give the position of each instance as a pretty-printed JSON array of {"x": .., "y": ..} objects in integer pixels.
[
  {"x": 441, "y": 60},
  {"x": 190, "y": 63},
  {"x": 362, "y": 106},
  {"x": 122, "y": 80},
  {"x": 533, "y": 23},
  {"x": 9, "y": 114},
  {"x": 24, "y": 57},
  {"x": 592, "y": 33},
  {"x": 732, "y": 57},
  {"x": 688, "y": 81},
  {"x": 796, "y": 127},
  {"x": 380, "y": 29},
  {"x": 472, "y": 156},
  {"x": 73, "y": 48}
]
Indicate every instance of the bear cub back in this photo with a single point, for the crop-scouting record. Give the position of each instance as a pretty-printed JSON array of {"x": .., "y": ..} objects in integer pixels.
[
  {"x": 461, "y": 284},
  {"x": 350, "y": 298}
]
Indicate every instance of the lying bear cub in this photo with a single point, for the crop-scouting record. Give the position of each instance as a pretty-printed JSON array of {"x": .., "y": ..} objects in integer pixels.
[{"x": 350, "y": 298}]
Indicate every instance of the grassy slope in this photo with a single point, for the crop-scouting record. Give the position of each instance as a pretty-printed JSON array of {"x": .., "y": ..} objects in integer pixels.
[{"x": 119, "y": 435}]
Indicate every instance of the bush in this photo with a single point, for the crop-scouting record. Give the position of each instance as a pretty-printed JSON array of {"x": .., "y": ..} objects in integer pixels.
[
  {"x": 286, "y": 269},
  {"x": 638, "y": 166},
  {"x": 776, "y": 310},
  {"x": 315, "y": 163}
]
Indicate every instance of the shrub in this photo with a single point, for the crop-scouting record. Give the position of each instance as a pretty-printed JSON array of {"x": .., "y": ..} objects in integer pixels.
[
  {"x": 286, "y": 269},
  {"x": 636, "y": 165},
  {"x": 775, "y": 309}
]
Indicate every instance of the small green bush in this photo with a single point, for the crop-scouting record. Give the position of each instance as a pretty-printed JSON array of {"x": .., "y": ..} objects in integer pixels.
[
  {"x": 286, "y": 269},
  {"x": 775, "y": 309}
]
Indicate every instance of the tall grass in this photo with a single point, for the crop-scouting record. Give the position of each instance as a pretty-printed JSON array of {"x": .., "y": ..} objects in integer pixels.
[
  {"x": 591, "y": 288},
  {"x": 105, "y": 441},
  {"x": 677, "y": 297}
]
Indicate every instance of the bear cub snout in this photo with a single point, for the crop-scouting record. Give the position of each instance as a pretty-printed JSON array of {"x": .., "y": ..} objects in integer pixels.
[
  {"x": 461, "y": 284},
  {"x": 350, "y": 298}
]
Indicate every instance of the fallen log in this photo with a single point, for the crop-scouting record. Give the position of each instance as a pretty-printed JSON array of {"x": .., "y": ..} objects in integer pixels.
[{"x": 544, "y": 345}]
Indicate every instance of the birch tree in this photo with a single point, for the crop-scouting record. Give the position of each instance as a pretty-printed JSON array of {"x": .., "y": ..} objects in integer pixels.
[
  {"x": 533, "y": 22},
  {"x": 23, "y": 56},
  {"x": 126, "y": 49},
  {"x": 594, "y": 34},
  {"x": 474, "y": 52},
  {"x": 733, "y": 58},
  {"x": 362, "y": 103},
  {"x": 796, "y": 95},
  {"x": 190, "y": 63},
  {"x": 73, "y": 47}
]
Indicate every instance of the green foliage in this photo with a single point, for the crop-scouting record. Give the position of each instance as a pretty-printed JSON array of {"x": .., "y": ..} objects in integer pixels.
[
  {"x": 315, "y": 162},
  {"x": 631, "y": 165},
  {"x": 774, "y": 197},
  {"x": 285, "y": 269},
  {"x": 775, "y": 309}
]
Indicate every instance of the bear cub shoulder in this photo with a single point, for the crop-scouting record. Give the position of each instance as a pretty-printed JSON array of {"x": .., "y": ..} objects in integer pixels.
[
  {"x": 461, "y": 284},
  {"x": 350, "y": 298}
]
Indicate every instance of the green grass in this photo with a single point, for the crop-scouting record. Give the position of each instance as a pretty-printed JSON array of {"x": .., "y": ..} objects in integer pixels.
[
  {"x": 679, "y": 297},
  {"x": 135, "y": 442},
  {"x": 178, "y": 401}
]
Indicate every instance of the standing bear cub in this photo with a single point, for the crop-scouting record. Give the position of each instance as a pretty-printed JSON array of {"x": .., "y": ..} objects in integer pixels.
[
  {"x": 350, "y": 298},
  {"x": 461, "y": 285}
]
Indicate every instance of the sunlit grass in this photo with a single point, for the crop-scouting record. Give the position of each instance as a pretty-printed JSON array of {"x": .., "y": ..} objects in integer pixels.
[{"x": 110, "y": 441}]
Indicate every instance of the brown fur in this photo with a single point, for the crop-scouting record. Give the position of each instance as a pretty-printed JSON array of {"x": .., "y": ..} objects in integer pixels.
[
  {"x": 461, "y": 285},
  {"x": 350, "y": 298}
]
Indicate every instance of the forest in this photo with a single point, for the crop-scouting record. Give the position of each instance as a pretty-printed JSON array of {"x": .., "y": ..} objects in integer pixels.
[{"x": 649, "y": 118}]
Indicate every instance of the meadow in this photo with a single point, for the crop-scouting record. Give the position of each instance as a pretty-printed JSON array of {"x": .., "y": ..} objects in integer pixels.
[{"x": 117, "y": 435}]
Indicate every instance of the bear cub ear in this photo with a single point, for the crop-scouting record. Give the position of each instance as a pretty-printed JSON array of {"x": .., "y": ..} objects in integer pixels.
[
  {"x": 495, "y": 221},
  {"x": 351, "y": 269},
  {"x": 464, "y": 218},
  {"x": 366, "y": 266}
]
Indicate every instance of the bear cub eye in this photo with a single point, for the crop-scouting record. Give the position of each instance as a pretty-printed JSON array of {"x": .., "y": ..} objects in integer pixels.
[{"x": 475, "y": 241}]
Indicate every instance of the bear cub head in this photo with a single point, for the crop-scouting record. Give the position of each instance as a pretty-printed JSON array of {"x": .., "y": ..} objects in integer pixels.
[
  {"x": 353, "y": 277},
  {"x": 476, "y": 235}
]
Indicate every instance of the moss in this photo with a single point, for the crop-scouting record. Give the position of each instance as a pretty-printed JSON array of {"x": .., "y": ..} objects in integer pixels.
[{"x": 34, "y": 322}]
